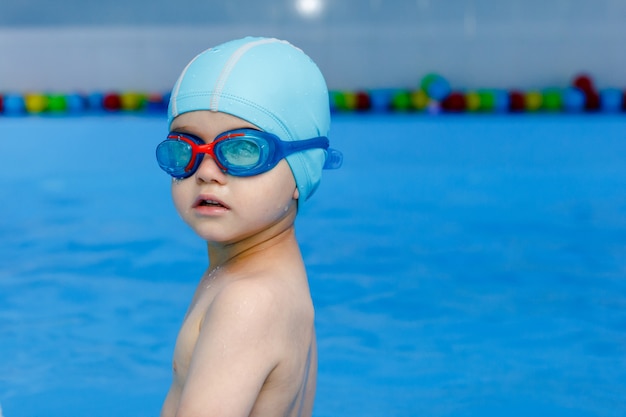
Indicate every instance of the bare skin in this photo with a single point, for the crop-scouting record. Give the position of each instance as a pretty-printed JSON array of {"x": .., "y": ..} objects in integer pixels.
[{"x": 247, "y": 344}]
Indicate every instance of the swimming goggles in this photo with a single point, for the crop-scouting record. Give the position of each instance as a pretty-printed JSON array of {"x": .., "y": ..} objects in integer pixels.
[{"x": 240, "y": 152}]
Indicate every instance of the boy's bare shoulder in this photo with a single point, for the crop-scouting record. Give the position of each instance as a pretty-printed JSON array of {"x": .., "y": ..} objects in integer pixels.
[
  {"x": 251, "y": 315},
  {"x": 250, "y": 298},
  {"x": 261, "y": 301},
  {"x": 256, "y": 298}
]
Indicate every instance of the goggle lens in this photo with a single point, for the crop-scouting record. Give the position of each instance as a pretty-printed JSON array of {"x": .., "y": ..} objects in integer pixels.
[
  {"x": 174, "y": 157},
  {"x": 242, "y": 153}
]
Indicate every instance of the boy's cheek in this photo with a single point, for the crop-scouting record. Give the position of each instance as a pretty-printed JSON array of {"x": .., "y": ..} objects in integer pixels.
[{"x": 179, "y": 196}]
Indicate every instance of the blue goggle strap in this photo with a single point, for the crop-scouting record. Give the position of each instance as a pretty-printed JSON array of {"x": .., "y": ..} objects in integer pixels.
[{"x": 334, "y": 158}]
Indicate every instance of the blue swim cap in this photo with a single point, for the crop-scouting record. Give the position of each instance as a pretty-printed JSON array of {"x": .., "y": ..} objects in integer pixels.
[{"x": 269, "y": 83}]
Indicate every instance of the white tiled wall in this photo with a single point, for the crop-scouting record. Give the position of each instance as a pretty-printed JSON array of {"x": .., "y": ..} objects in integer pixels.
[{"x": 141, "y": 44}]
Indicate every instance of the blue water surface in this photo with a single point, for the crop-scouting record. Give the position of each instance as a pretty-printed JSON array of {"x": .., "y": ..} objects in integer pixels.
[{"x": 460, "y": 266}]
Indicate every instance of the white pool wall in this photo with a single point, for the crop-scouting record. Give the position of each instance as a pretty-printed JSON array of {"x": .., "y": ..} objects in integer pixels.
[{"x": 142, "y": 45}]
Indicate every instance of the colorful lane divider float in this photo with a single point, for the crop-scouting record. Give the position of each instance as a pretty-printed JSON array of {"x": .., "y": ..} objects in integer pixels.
[
  {"x": 434, "y": 95},
  {"x": 12, "y": 104}
]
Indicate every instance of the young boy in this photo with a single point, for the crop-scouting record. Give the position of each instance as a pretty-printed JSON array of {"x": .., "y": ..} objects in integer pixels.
[{"x": 247, "y": 145}]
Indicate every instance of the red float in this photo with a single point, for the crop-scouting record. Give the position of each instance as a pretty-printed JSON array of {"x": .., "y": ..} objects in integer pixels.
[
  {"x": 517, "y": 102},
  {"x": 112, "y": 102},
  {"x": 362, "y": 101},
  {"x": 584, "y": 83},
  {"x": 592, "y": 101},
  {"x": 454, "y": 102}
]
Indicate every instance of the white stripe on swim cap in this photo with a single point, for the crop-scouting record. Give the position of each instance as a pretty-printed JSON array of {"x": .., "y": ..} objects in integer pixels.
[
  {"x": 230, "y": 65},
  {"x": 177, "y": 87}
]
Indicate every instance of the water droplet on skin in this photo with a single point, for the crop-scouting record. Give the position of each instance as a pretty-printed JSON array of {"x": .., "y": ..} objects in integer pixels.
[{"x": 209, "y": 278}]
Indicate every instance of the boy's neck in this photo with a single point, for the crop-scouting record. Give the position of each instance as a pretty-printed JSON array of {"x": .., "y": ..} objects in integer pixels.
[{"x": 221, "y": 254}]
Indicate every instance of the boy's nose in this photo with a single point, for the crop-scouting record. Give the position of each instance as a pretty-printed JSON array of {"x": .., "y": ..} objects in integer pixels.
[{"x": 209, "y": 171}]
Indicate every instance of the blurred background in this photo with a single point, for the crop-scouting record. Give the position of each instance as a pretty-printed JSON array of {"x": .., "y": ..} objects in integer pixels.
[
  {"x": 143, "y": 44},
  {"x": 460, "y": 266}
]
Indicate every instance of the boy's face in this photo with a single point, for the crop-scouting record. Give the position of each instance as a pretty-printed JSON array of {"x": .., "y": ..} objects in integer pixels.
[{"x": 224, "y": 208}]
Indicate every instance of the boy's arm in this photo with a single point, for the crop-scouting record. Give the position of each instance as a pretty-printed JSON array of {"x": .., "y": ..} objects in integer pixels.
[{"x": 234, "y": 354}]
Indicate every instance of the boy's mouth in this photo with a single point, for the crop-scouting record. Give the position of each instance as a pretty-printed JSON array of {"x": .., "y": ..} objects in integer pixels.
[{"x": 208, "y": 202}]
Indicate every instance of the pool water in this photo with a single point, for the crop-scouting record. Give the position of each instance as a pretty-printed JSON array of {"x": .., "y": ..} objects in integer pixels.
[{"x": 460, "y": 266}]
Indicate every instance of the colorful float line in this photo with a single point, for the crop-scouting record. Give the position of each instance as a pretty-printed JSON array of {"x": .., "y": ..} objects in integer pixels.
[
  {"x": 32, "y": 103},
  {"x": 433, "y": 95}
]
